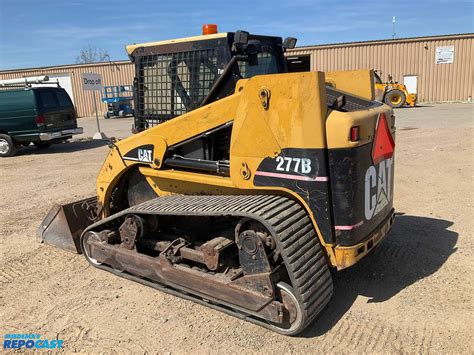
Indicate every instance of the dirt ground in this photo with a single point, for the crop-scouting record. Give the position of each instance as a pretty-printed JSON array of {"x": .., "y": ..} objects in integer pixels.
[{"x": 412, "y": 294}]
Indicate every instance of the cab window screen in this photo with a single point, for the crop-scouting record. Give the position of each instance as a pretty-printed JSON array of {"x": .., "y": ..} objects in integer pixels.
[
  {"x": 169, "y": 85},
  {"x": 48, "y": 99}
]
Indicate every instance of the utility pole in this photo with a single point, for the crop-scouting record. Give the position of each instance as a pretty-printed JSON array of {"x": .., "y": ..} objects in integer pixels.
[{"x": 393, "y": 27}]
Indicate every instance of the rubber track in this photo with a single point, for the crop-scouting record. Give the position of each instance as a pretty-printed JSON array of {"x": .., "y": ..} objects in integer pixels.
[{"x": 284, "y": 218}]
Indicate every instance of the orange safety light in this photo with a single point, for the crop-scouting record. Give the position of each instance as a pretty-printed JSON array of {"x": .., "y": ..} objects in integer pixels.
[{"x": 209, "y": 29}]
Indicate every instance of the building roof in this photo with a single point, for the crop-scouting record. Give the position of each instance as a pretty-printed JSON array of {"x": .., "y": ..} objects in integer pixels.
[
  {"x": 68, "y": 66},
  {"x": 387, "y": 41}
]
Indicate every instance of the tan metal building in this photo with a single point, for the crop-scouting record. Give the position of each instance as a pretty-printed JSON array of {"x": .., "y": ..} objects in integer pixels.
[
  {"x": 70, "y": 77},
  {"x": 437, "y": 68}
]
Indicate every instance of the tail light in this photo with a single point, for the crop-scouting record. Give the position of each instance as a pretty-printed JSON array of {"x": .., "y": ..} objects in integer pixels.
[
  {"x": 39, "y": 120},
  {"x": 355, "y": 133}
]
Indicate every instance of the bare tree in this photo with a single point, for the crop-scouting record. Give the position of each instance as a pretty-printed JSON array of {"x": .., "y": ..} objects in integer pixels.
[{"x": 89, "y": 54}]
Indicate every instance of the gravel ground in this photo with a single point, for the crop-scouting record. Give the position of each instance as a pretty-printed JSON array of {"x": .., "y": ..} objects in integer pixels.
[{"x": 412, "y": 294}]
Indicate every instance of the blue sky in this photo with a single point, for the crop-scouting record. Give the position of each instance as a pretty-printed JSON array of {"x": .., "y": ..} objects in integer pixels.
[{"x": 50, "y": 32}]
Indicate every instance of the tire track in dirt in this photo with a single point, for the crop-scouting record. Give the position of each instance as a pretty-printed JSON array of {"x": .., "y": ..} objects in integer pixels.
[
  {"x": 12, "y": 271},
  {"x": 32, "y": 261},
  {"x": 375, "y": 336},
  {"x": 80, "y": 338}
]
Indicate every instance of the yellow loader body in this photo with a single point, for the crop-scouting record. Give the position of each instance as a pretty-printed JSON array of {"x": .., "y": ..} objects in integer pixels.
[{"x": 244, "y": 185}]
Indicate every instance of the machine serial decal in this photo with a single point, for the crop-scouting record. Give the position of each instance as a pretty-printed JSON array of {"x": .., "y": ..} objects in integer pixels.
[
  {"x": 291, "y": 168},
  {"x": 297, "y": 165},
  {"x": 142, "y": 154}
]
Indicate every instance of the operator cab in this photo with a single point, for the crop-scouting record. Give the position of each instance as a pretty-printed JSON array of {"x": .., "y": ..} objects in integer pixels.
[{"x": 177, "y": 76}]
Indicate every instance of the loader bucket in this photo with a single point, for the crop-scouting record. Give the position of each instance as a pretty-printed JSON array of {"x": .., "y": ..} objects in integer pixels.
[{"x": 63, "y": 225}]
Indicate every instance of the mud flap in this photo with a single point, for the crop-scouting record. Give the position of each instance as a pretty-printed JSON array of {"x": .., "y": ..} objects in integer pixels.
[{"x": 63, "y": 225}]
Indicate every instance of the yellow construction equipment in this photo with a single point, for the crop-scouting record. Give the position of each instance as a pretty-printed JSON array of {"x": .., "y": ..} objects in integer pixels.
[
  {"x": 392, "y": 93},
  {"x": 243, "y": 185}
]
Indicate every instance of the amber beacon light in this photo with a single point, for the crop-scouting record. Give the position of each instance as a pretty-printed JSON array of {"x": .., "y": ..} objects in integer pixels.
[{"x": 209, "y": 29}]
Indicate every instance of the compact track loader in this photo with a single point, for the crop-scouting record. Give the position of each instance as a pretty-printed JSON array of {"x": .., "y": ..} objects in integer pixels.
[{"x": 243, "y": 185}]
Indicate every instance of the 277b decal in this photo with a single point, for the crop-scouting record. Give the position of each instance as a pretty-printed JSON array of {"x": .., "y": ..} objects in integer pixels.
[
  {"x": 291, "y": 168},
  {"x": 297, "y": 165}
]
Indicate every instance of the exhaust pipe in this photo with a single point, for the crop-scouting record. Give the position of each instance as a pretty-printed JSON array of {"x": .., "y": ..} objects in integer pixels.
[{"x": 63, "y": 225}]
